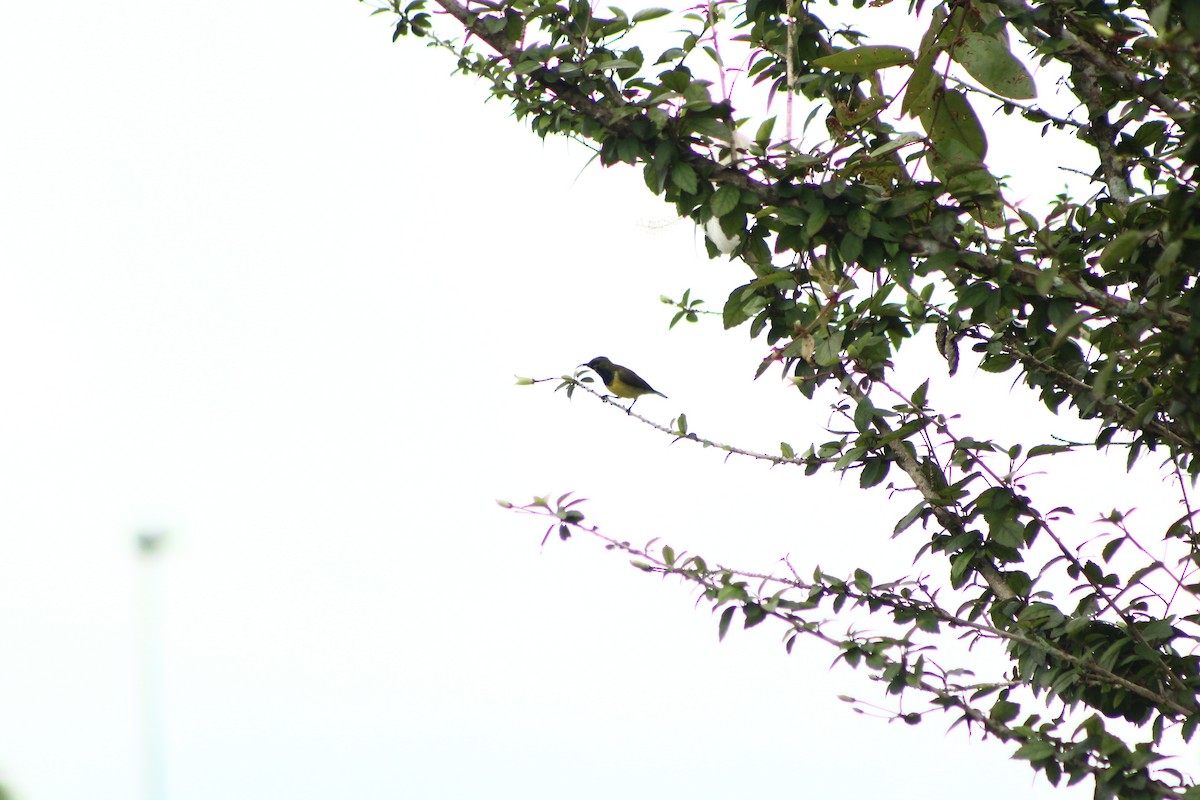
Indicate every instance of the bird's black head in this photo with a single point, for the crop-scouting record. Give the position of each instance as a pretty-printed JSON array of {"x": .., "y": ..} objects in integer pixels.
[{"x": 599, "y": 362}]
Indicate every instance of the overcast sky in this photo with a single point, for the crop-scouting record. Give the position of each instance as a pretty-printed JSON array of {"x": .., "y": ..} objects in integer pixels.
[{"x": 265, "y": 282}]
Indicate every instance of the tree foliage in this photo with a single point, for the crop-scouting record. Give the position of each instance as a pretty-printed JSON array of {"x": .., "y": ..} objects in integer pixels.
[{"x": 889, "y": 227}]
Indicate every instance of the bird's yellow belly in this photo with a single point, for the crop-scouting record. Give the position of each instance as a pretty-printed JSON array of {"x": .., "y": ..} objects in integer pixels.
[{"x": 621, "y": 389}]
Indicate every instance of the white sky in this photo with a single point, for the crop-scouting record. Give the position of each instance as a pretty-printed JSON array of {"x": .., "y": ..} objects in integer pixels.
[{"x": 265, "y": 281}]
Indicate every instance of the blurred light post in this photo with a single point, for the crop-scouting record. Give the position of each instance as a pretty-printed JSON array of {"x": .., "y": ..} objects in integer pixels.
[{"x": 154, "y": 780}]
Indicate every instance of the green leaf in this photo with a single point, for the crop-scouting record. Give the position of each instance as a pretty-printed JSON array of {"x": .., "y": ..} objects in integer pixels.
[
  {"x": 918, "y": 397},
  {"x": 1046, "y": 450},
  {"x": 1120, "y": 249},
  {"x": 850, "y": 248},
  {"x": 950, "y": 118},
  {"x": 909, "y": 518},
  {"x": 862, "y": 580},
  {"x": 1034, "y": 750},
  {"x": 867, "y": 58},
  {"x": 817, "y": 219},
  {"x": 989, "y": 61},
  {"x": 863, "y": 414},
  {"x": 650, "y": 13},
  {"x": 743, "y": 303},
  {"x": 1166, "y": 260},
  {"x": 895, "y": 144},
  {"x": 906, "y": 430},
  {"x": 960, "y": 566},
  {"x": 1067, "y": 327},
  {"x": 763, "y": 136},
  {"x": 671, "y": 54},
  {"x": 975, "y": 294},
  {"x": 724, "y": 200},
  {"x": 1008, "y": 532},
  {"x": 1043, "y": 281},
  {"x": 723, "y": 626},
  {"x": 616, "y": 63},
  {"x": 829, "y": 349},
  {"x": 1004, "y": 711},
  {"x": 707, "y": 125},
  {"x": 776, "y": 278},
  {"x": 998, "y": 362},
  {"x": 922, "y": 84},
  {"x": 858, "y": 220},
  {"x": 849, "y": 457},
  {"x": 873, "y": 472},
  {"x": 1150, "y": 133},
  {"x": 684, "y": 177}
]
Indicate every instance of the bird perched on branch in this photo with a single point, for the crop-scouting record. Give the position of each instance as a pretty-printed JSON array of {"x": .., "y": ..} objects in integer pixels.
[{"x": 621, "y": 381}]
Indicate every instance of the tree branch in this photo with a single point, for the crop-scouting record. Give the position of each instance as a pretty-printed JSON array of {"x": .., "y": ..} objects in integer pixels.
[
  {"x": 1082, "y": 54},
  {"x": 1101, "y": 133},
  {"x": 619, "y": 121}
]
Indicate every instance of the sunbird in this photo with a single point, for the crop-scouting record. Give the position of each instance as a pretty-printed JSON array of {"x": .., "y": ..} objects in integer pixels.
[{"x": 621, "y": 381}]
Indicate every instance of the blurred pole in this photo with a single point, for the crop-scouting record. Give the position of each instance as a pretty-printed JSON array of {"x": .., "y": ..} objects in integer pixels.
[{"x": 154, "y": 775}]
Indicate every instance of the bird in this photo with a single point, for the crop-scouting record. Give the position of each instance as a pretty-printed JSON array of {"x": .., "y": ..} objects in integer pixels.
[{"x": 621, "y": 381}]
